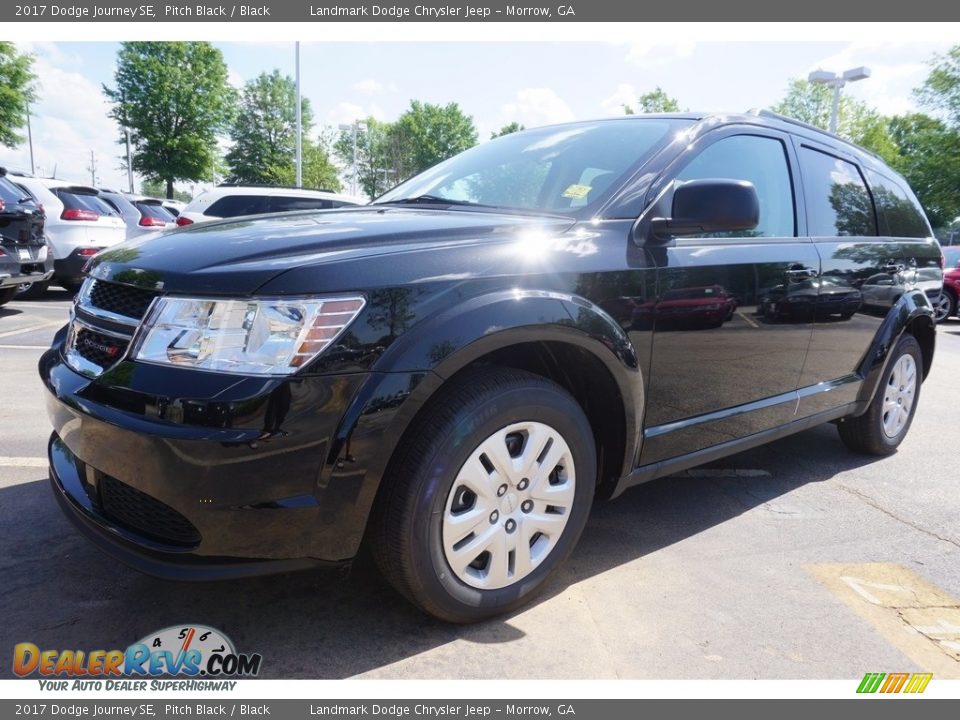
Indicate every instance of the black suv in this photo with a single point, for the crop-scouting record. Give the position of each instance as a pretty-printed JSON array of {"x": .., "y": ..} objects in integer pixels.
[
  {"x": 24, "y": 256},
  {"x": 455, "y": 372}
]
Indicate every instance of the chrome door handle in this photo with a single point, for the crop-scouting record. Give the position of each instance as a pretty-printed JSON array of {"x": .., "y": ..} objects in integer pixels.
[{"x": 802, "y": 272}]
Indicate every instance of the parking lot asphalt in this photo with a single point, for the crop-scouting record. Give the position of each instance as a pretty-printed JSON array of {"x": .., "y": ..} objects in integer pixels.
[{"x": 793, "y": 560}]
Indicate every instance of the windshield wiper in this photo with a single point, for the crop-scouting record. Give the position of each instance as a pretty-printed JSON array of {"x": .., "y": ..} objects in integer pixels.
[{"x": 432, "y": 200}]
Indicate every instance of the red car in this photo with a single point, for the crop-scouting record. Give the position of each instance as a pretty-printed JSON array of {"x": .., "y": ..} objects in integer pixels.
[
  {"x": 711, "y": 306},
  {"x": 946, "y": 305}
]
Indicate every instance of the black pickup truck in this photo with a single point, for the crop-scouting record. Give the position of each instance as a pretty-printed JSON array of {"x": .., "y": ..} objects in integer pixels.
[{"x": 455, "y": 372}]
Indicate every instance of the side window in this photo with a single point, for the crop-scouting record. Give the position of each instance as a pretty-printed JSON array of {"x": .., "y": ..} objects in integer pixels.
[
  {"x": 236, "y": 205},
  {"x": 897, "y": 212},
  {"x": 838, "y": 202},
  {"x": 281, "y": 203},
  {"x": 761, "y": 161}
]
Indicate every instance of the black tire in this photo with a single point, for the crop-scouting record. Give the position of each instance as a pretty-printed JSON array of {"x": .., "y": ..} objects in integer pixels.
[
  {"x": 406, "y": 526},
  {"x": 865, "y": 434},
  {"x": 7, "y": 294},
  {"x": 32, "y": 290}
]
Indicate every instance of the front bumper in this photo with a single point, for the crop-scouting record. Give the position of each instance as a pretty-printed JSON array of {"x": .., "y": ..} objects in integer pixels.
[{"x": 247, "y": 484}]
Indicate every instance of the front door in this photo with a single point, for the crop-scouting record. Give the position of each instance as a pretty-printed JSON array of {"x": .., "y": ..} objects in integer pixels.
[{"x": 730, "y": 329}]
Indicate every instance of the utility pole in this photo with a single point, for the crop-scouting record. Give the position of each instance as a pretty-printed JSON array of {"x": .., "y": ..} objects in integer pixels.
[
  {"x": 93, "y": 169},
  {"x": 299, "y": 123},
  {"x": 126, "y": 132},
  {"x": 30, "y": 139}
]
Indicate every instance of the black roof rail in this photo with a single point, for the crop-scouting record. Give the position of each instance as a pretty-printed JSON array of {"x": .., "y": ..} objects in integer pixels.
[
  {"x": 275, "y": 187},
  {"x": 770, "y": 114}
]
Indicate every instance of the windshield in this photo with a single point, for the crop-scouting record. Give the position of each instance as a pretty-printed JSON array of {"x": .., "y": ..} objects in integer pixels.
[{"x": 560, "y": 169}]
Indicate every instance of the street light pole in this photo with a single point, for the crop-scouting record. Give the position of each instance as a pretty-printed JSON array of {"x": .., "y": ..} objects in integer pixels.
[
  {"x": 837, "y": 81},
  {"x": 126, "y": 132},
  {"x": 299, "y": 123},
  {"x": 30, "y": 140}
]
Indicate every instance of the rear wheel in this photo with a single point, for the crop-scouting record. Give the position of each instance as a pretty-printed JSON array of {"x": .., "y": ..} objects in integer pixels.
[
  {"x": 488, "y": 498},
  {"x": 28, "y": 291},
  {"x": 945, "y": 306},
  {"x": 881, "y": 429}
]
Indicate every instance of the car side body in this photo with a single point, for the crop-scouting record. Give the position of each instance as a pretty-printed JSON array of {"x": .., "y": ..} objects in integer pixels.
[{"x": 201, "y": 474}]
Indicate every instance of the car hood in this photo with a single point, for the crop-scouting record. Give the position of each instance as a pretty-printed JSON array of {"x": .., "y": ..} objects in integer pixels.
[{"x": 239, "y": 256}]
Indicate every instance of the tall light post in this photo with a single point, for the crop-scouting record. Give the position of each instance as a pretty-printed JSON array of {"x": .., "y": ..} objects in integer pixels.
[
  {"x": 30, "y": 139},
  {"x": 355, "y": 126},
  {"x": 837, "y": 81},
  {"x": 126, "y": 134},
  {"x": 299, "y": 123}
]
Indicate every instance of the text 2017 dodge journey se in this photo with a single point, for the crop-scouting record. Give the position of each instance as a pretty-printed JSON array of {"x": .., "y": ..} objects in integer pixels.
[{"x": 453, "y": 373}]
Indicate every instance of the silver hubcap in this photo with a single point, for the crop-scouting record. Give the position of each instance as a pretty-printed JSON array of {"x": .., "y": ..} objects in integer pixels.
[
  {"x": 509, "y": 505},
  {"x": 941, "y": 308},
  {"x": 898, "y": 396}
]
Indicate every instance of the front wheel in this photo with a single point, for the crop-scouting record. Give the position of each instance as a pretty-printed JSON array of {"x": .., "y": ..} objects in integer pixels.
[
  {"x": 489, "y": 496},
  {"x": 881, "y": 429}
]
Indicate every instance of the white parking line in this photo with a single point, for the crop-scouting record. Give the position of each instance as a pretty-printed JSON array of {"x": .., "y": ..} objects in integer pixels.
[
  {"x": 31, "y": 462},
  {"x": 31, "y": 328},
  {"x": 750, "y": 321},
  {"x": 24, "y": 347}
]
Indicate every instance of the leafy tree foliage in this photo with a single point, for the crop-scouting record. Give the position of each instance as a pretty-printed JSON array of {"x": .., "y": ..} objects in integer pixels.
[
  {"x": 175, "y": 98},
  {"x": 511, "y": 127},
  {"x": 655, "y": 101},
  {"x": 16, "y": 92}
]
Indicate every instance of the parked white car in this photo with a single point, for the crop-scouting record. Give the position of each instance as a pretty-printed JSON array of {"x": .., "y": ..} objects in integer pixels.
[
  {"x": 174, "y": 207},
  {"x": 141, "y": 214},
  {"x": 79, "y": 224},
  {"x": 228, "y": 201}
]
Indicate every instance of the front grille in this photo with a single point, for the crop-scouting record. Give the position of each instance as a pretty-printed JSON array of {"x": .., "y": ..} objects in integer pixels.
[
  {"x": 145, "y": 515},
  {"x": 121, "y": 299},
  {"x": 102, "y": 350}
]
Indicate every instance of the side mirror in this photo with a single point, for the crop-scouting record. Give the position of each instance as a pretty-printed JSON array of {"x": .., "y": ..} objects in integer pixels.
[{"x": 708, "y": 206}]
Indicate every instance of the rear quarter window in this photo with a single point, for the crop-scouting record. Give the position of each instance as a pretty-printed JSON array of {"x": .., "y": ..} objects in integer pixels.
[
  {"x": 838, "y": 202},
  {"x": 897, "y": 213},
  {"x": 237, "y": 205},
  {"x": 154, "y": 211},
  {"x": 281, "y": 203}
]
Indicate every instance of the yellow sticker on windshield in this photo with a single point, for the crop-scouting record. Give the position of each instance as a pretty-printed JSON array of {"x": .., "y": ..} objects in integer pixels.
[{"x": 577, "y": 192}]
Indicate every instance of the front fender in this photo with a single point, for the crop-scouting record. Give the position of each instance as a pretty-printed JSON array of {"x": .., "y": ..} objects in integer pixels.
[{"x": 418, "y": 363}]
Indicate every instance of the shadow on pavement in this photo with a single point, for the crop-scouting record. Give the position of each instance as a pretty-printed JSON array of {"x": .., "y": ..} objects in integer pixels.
[{"x": 58, "y": 591}]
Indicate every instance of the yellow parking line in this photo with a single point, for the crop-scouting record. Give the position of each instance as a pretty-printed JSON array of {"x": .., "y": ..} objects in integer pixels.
[{"x": 916, "y": 617}]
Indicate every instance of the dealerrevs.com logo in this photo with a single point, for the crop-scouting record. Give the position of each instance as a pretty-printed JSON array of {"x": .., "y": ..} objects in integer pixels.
[{"x": 191, "y": 651}]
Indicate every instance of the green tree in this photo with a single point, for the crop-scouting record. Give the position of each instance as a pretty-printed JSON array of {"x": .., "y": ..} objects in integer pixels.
[
  {"x": 175, "y": 98},
  {"x": 377, "y": 158},
  {"x": 941, "y": 90},
  {"x": 155, "y": 188},
  {"x": 264, "y": 131},
  {"x": 655, "y": 101},
  {"x": 929, "y": 158},
  {"x": 813, "y": 104},
  {"x": 507, "y": 129},
  {"x": 16, "y": 92},
  {"x": 427, "y": 134},
  {"x": 318, "y": 170}
]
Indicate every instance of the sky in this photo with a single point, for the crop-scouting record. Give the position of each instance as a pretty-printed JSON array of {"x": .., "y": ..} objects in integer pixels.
[{"x": 535, "y": 83}]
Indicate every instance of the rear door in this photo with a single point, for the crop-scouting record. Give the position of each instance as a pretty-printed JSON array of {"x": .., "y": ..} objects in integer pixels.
[
  {"x": 721, "y": 368},
  {"x": 864, "y": 273}
]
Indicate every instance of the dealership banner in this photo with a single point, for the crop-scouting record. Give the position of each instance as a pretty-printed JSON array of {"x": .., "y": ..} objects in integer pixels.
[
  {"x": 326, "y": 708},
  {"x": 323, "y": 11}
]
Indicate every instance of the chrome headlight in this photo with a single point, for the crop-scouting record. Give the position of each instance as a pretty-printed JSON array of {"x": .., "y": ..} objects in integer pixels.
[{"x": 253, "y": 337}]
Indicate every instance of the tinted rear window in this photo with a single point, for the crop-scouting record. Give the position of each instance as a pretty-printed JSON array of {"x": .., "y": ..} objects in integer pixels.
[
  {"x": 898, "y": 214},
  {"x": 281, "y": 203},
  {"x": 838, "y": 202},
  {"x": 82, "y": 201},
  {"x": 237, "y": 205},
  {"x": 154, "y": 211},
  {"x": 11, "y": 194}
]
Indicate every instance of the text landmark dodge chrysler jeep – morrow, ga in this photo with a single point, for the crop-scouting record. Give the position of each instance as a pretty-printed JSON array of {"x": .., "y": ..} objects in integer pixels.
[{"x": 454, "y": 372}]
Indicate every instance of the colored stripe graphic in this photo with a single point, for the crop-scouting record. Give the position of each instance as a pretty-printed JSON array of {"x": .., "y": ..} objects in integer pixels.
[{"x": 894, "y": 682}]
